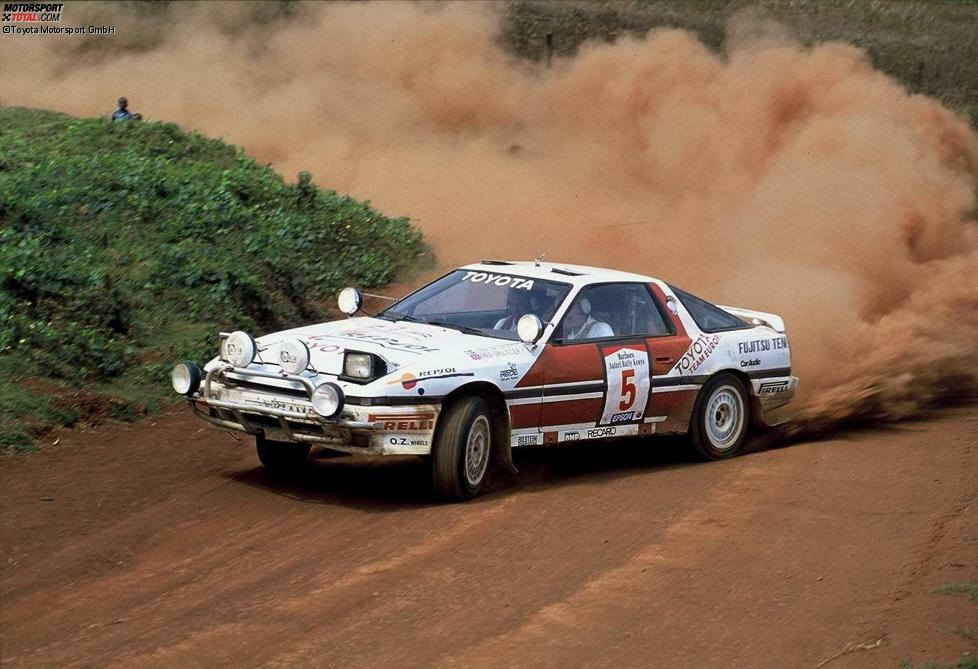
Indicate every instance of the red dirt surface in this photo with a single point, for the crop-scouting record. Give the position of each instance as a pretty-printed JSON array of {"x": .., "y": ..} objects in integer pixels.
[{"x": 165, "y": 544}]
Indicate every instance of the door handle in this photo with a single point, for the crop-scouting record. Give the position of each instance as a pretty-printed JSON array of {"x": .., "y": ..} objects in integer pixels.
[{"x": 664, "y": 359}]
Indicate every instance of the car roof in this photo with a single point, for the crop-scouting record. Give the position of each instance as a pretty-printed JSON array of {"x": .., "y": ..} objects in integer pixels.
[{"x": 567, "y": 273}]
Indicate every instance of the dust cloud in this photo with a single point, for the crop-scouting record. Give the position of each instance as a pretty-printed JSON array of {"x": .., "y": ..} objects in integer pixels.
[{"x": 798, "y": 180}]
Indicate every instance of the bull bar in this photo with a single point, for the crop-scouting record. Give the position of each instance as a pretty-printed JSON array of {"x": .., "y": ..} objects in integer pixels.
[{"x": 330, "y": 427}]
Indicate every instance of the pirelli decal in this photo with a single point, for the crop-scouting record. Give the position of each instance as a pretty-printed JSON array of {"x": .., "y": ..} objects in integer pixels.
[{"x": 406, "y": 422}]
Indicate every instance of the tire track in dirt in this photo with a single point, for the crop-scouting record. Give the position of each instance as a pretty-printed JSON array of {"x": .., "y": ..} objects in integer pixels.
[{"x": 592, "y": 556}]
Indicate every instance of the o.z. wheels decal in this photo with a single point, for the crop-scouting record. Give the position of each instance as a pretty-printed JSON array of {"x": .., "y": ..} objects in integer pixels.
[{"x": 626, "y": 370}]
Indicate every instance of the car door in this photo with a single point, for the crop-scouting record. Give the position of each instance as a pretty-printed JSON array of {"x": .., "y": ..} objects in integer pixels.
[{"x": 598, "y": 379}]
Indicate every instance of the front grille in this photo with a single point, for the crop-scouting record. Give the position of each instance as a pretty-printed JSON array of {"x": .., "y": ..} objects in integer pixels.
[{"x": 267, "y": 388}]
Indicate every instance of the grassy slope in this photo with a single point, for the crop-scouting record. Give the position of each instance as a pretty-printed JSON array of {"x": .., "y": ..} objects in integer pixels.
[
  {"x": 929, "y": 45},
  {"x": 125, "y": 247}
]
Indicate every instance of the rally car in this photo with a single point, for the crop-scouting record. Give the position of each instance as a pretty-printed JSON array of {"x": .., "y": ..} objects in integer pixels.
[{"x": 499, "y": 355}]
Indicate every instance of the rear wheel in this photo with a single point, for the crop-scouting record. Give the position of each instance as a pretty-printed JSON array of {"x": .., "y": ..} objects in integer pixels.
[
  {"x": 462, "y": 450},
  {"x": 281, "y": 457},
  {"x": 720, "y": 417}
]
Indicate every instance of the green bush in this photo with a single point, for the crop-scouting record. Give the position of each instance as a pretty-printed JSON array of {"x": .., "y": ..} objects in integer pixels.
[{"x": 125, "y": 247}]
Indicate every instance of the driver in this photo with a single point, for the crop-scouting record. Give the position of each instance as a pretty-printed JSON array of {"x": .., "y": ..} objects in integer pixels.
[
  {"x": 517, "y": 305},
  {"x": 578, "y": 323}
]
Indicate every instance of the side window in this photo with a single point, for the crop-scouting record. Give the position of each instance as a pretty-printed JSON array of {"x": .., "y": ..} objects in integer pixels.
[
  {"x": 709, "y": 317},
  {"x": 613, "y": 310}
]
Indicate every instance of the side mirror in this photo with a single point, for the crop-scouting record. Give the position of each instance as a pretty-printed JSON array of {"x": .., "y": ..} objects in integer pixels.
[
  {"x": 349, "y": 300},
  {"x": 671, "y": 304},
  {"x": 530, "y": 328}
]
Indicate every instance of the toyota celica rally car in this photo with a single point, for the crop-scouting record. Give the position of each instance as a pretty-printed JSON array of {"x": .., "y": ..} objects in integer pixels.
[{"x": 499, "y": 355}]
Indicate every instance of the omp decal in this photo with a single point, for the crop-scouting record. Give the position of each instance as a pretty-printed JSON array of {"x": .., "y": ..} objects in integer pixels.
[
  {"x": 697, "y": 353},
  {"x": 773, "y": 388},
  {"x": 498, "y": 280},
  {"x": 627, "y": 372},
  {"x": 569, "y": 435},
  {"x": 759, "y": 345},
  {"x": 407, "y": 422}
]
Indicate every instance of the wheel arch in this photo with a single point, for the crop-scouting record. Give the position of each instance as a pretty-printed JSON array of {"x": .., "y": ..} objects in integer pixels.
[
  {"x": 499, "y": 414},
  {"x": 753, "y": 403}
]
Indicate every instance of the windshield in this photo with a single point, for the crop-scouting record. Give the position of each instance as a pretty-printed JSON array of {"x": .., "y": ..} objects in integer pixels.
[{"x": 483, "y": 303}]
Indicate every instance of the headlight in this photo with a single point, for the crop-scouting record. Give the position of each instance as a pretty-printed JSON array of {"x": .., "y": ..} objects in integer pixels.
[
  {"x": 327, "y": 400},
  {"x": 358, "y": 365},
  {"x": 185, "y": 378},
  {"x": 239, "y": 349},
  {"x": 293, "y": 356}
]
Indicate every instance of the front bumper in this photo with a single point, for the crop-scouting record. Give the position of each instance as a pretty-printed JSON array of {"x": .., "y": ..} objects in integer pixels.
[{"x": 229, "y": 400}]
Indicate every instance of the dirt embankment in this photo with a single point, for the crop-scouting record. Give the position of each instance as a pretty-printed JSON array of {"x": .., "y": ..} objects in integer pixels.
[{"x": 165, "y": 545}]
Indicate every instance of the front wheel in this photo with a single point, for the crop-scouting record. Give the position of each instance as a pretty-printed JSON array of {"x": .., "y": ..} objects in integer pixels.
[
  {"x": 462, "y": 450},
  {"x": 281, "y": 458},
  {"x": 720, "y": 417}
]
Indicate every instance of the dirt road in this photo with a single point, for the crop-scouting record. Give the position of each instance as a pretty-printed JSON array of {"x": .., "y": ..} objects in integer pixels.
[{"x": 166, "y": 545}]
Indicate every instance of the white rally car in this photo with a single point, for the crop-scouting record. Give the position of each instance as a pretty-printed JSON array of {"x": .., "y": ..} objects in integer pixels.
[{"x": 498, "y": 355}]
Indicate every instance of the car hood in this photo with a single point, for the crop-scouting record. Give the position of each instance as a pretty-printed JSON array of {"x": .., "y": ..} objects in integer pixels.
[{"x": 401, "y": 344}]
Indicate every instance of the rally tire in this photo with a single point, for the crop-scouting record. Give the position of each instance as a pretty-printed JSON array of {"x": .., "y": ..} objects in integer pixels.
[
  {"x": 720, "y": 418},
  {"x": 462, "y": 450},
  {"x": 281, "y": 458}
]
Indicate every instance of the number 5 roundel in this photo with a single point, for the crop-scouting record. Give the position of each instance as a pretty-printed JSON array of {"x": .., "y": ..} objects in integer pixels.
[{"x": 627, "y": 371}]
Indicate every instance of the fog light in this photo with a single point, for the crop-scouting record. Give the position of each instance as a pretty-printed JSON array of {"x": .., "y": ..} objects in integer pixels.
[
  {"x": 239, "y": 349},
  {"x": 185, "y": 378},
  {"x": 327, "y": 400},
  {"x": 293, "y": 356}
]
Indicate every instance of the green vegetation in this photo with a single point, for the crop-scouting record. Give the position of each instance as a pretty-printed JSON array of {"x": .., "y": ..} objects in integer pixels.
[
  {"x": 963, "y": 663},
  {"x": 969, "y": 588},
  {"x": 930, "y": 46},
  {"x": 127, "y": 247}
]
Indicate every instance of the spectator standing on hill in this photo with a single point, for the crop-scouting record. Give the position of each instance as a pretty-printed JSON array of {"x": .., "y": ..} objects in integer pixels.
[{"x": 123, "y": 113}]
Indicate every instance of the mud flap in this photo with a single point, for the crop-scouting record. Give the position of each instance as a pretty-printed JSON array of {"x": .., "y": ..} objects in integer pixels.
[{"x": 504, "y": 455}]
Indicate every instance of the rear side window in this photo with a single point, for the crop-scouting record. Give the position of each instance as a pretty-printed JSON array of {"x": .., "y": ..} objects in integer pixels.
[{"x": 709, "y": 317}]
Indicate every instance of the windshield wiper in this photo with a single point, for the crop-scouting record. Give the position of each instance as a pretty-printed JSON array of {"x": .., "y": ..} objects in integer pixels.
[
  {"x": 395, "y": 316},
  {"x": 466, "y": 329}
]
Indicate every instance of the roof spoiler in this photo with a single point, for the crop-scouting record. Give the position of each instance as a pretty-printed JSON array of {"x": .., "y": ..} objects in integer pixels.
[{"x": 773, "y": 321}]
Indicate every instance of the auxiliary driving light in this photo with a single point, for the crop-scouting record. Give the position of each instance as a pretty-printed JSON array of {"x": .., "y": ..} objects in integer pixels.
[
  {"x": 327, "y": 400},
  {"x": 349, "y": 301},
  {"x": 185, "y": 378},
  {"x": 239, "y": 349},
  {"x": 293, "y": 356}
]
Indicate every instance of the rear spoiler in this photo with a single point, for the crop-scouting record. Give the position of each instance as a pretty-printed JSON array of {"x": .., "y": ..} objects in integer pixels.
[{"x": 773, "y": 321}]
